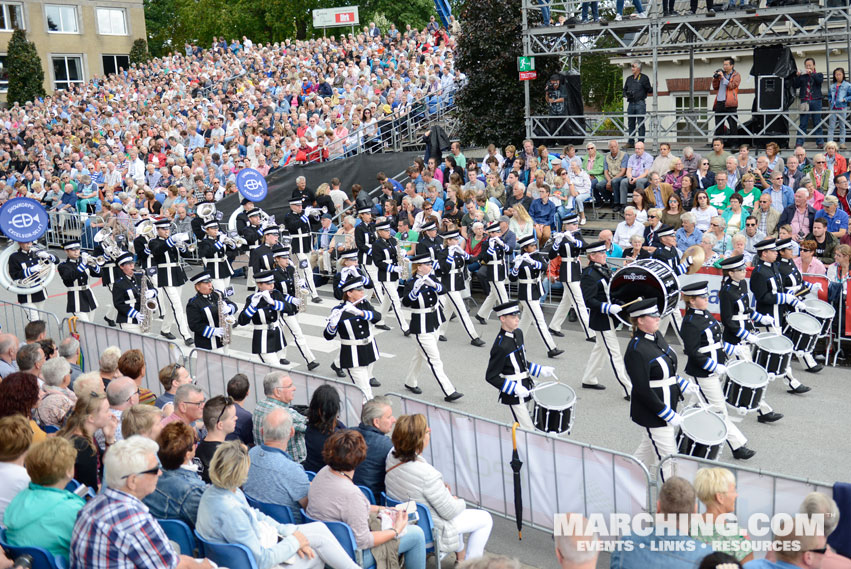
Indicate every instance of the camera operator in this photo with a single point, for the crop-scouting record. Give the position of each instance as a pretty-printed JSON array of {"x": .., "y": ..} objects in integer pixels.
[
  {"x": 635, "y": 90},
  {"x": 555, "y": 95},
  {"x": 726, "y": 81},
  {"x": 808, "y": 85}
]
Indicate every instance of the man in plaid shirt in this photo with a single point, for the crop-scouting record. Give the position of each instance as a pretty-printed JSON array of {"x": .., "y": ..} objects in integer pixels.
[
  {"x": 280, "y": 391},
  {"x": 115, "y": 529}
]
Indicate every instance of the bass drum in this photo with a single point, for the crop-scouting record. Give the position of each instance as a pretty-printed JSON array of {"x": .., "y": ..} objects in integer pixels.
[{"x": 646, "y": 278}]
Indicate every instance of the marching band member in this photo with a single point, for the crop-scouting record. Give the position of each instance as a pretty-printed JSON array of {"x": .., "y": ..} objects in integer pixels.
[
  {"x": 495, "y": 256},
  {"x": 109, "y": 273},
  {"x": 668, "y": 253},
  {"x": 145, "y": 232},
  {"x": 421, "y": 296},
  {"x": 127, "y": 295},
  {"x": 262, "y": 309},
  {"x": 213, "y": 252},
  {"x": 594, "y": 283},
  {"x": 23, "y": 263},
  {"x": 738, "y": 318},
  {"x": 286, "y": 283},
  {"x": 386, "y": 259},
  {"x": 242, "y": 217},
  {"x": 770, "y": 298},
  {"x": 252, "y": 232},
  {"x": 428, "y": 242},
  {"x": 794, "y": 283},
  {"x": 452, "y": 260},
  {"x": 568, "y": 245},
  {"x": 165, "y": 256},
  {"x": 707, "y": 353},
  {"x": 260, "y": 259},
  {"x": 202, "y": 313},
  {"x": 527, "y": 271},
  {"x": 364, "y": 240},
  {"x": 349, "y": 266},
  {"x": 74, "y": 273},
  {"x": 509, "y": 370},
  {"x": 297, "y": 223},
  {"x": 656, "y": 387}
]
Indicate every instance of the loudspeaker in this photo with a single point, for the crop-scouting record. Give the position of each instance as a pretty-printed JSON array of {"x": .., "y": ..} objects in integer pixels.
[{"x": 770, "y": 93}]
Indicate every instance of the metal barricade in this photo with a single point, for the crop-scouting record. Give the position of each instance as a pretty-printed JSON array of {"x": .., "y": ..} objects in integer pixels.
[
  {"x": 64, "y": 226},
  {"x": 15, "y": 317}
]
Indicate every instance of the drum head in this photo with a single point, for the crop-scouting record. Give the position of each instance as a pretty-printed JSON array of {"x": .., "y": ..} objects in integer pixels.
[
  {"x": 554, "y": 396},
  {"x": 774, "y": 343},
  {"x": 820, "y": 308},
  {"x": 704, "y": 427},
  {"x": 804, "y": 323},
  {"x": 646, "y": 278},
  {"x": 747, "y": 374}
]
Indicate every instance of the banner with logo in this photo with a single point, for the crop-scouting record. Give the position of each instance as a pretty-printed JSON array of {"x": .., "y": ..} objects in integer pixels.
[
  {"x": 252, "y": 185},
  {"x": 23, "y": 220}
]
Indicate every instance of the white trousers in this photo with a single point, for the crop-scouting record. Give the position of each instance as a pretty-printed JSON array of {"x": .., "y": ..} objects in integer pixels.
[
  {"x": 606, "y": 346},
  {"x": 83, "y": 316},
  {"x": 273, "y": 358},
  {"x": 656, "y": 444},
  {"x": 532, "y": 313},
  {"x": 111, "y": 311},
  {"x": 571, "y": 297},
  {"x": 360, "y": 377},
  {"x": 677, "y": 319},
  {"x": 478, "y": 524},
  {"x": 713, "y": 394},
  {"x": 32, "y": 314},
  {"x": 497, "y": 295},
  {"x": 249, "y": 279},
  {"x": 455, "y": 304},
  {"x": 428, "y": 353},
  {"x": 376, "y": 289},
  {"x": 521, "y": 415},
  {"x": 328, "y": 550},
  {"x": 135, "y": 328},
  {"x": 221, "y": 284},
  {"x": 306, "y": 273},
  {"x": 291, "y": 323},
  {"x": 173, "y": 311},
  {"x": 391, "y": 298}
]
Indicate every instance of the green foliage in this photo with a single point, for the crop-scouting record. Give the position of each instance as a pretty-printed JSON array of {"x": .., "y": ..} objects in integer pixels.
[
  {"x": 139, "y": 52},
  {"x": 602, "y": 82},
  {"x": 26, "y": 76}
]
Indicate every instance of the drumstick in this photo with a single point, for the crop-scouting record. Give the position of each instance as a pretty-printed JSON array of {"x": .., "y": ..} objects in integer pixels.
[{"x": 639, "y": 299}]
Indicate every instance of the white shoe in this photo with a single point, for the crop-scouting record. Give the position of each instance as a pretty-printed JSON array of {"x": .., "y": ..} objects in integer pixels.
[
  {"x": 641, "y": 15},
  {"x": 618, "y": 17},
  {"x": 583, "y": 221}
]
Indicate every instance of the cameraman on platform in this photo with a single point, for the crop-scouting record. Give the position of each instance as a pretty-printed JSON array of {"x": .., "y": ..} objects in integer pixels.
[
  {"x": 636, "y": 88},
  {"x": 555, "y": 95}
]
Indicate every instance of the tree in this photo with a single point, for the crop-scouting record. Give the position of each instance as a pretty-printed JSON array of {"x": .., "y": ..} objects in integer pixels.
[
  {"x": 139, "y": 52},
  {"x": 26, "y": 77}
]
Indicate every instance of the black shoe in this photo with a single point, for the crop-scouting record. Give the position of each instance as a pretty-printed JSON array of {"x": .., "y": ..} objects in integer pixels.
[
  {"x": 769, "y": 417},
  {"x": 167, "y": 335},
  {"x": 592, "y": 339},
  {"x": 554, "y": 352},
  {"x": 442, "y": 338},
  {"x": 478, "y": 342},
  {"x": 407, "y": 332},
  {"x": 710, "y": 13},
  {"x": 338, "y": 371},
  {"x": 284, "y": 361},
  {"x": 571, "y": 315},
  {"x": 110, "y": 323},
  {"x": 312, "y": 365},
  {"x": 627, "y": 398},
  {"x": 743, "y": 453},
  {"x": 597, "y": 386},
  {"x": 454, "y": 396},
  {"x": 316, "y": 300},
  {"x": 188, "y": 341},
  {"x": 374, "y": 382},
  {"x": 556, "y": 333},
  {"x": 250, "y": 288},
  {"x": 414, "y": 390},
  {"x": 481, "y": 320},
  {"x": 816, "y": 368},
  {"x": 800, "y": 389},
  {"x": 382, "y": 326}
]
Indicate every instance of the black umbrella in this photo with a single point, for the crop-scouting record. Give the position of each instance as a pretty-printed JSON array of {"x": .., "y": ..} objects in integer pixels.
[{"x": 516, "y": 465}]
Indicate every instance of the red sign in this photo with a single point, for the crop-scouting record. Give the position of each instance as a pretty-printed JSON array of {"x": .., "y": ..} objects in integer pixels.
[
  {"x": 528, "y": 75},
  {"x": 344, "y": 17}
]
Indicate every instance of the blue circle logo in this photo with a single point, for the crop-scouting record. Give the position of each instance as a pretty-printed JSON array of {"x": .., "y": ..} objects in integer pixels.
[
  {"x": 23, "y": 220},
  {"x": 251, "y": 184}
]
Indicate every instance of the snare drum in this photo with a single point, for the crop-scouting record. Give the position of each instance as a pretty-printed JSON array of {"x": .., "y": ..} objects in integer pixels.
[
  {"x": 702, "y": 433},
  {"x": 553, "y": 407},
  {"x": 803, "y": 330},
  {"x": 647, "y": 278},
  {"x": 772, "y": 352},
  {"x": 821, "y": 311},
  {"x": 745, "y": 385}
]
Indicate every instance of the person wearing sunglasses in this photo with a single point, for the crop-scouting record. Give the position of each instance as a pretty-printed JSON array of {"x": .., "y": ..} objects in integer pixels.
[{"x": 807, "y": 262}]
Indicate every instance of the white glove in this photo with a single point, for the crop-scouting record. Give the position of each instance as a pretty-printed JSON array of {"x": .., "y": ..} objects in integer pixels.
[
  {"x": 218, "y": 332},
  {"x": 518, "y": 261},
  {"x": 352, "y": 309},
  {"x": 693, "y": 388},
  {"x": 349, "y": 272},
  {"x": 255, "y": 298},
  {"x": 521, "y": 391},
  {"x": 140, "y": 318},
  {"x": 721, "y": 369},
  {"x": 766, "y": 320},
  {"x": 397, "y": 269},
  {"x": 228, "y": 309},
  {"x": 742, "y": 351},
  {"x": 547, "y": 371},
  {"x": 150, "y": 293},
  {"x": 43, "y": 255},
  {"x": 418, "y": 285},
  {"x": 297, "y": 301},
  {"x": 615, "y": 309},
  {"x": 180, "y": 237},
  {"x": 430, "y": 282},
  {"x": 267, "y": 294},
  {"x": 334, "y": 319},
  {"x": 676, "y": 420},
  {"x": 799, "y": 306}
]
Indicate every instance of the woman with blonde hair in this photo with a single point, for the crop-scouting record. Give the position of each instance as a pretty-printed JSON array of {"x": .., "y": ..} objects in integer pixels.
[
  {"x": 716, "y": 489},
  {"x": 521, "y": 222}
]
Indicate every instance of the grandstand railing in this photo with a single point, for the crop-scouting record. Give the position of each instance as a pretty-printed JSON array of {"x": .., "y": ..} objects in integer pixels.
[{"x": 15, "y": 317}]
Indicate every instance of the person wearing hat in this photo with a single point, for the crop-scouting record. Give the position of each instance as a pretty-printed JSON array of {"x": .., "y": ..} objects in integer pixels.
[
  {"x": 260, "y": 259},
  {"x": 528, "y": 269},
  {"x": 429, "y": 243},
  {"x": 737, "y": 318},
  {"x": 509, "y": 370},
  {"x": 253, "y": 235},
  {"x": 350, "y": 320},
  {"x": 127, "y": 295},
  {"x": 594, "y": 284},
  {"x": 349, "y": 266},
  {"x": 452, "y": 262},
  {"x": 165, "y": 256},
  {"x": 656, "y": 387},
  {"x": 364, "y": 240},
  {"x": 74, "y": 273},
  {"x": 568, "y": 246},
  {"x": 794, "y": 283},
  {"x": 109, "y": 273},
  {"x": 297, "y": 223},
  {"x": 205, "y": 317},
  {"x": 242, "y": 217},
  {"x": 141, "y": 246},
  {"x": 421, "y": 295},
  {"x": 213, "y": 251},
  {"x": 771, "y": 299},
  {"x": 667, "y": 252},
  {"x": 707, "y": 353},
  {"x": 494, "y": 256},
  {"x": 385, "y": 255},
  {"x": 285, "y": 283},
  {"x": 263, "y": 311}
]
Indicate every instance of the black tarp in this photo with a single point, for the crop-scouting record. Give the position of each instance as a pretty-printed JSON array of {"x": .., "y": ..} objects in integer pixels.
[{"x": 770, "y": 60}]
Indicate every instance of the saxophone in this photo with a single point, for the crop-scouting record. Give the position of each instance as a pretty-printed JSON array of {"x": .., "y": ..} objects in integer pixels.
[
  {"x": 402, "y": 259},
  {"x": 146, "y": 305},
  {"x": 302, "y": 292},
  {"x": 225, "y": 321}
]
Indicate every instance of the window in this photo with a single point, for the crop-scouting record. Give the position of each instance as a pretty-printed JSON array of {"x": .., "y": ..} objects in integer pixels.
[
  {"x": 11, "y": 17},
  {"x": 112, "y": 63},
  {"x": 61, "y": 19},
  {"x": 691, "y": 124},
  {"x": 111, "y": 21},
  {"x": 4, "y": 75},
  {"x": 67, "y": 70}
]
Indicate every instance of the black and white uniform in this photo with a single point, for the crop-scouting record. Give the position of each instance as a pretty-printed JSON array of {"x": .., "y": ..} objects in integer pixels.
[
  {"x": 364, "y": 240},
  {"x": 170, "y": 277},
  {"x": 127, "y": 298},
  {"x": 656, "y": 390},
  {"x": 260, "y": 259},
  {"x": 794, "y": 284},
  {"x": 426, "y": 317},
  {"x": 299, "y": 229},
  {"x": 22, "y": 265},
  {"x": 495, "y": 256},
  {"x": 386, "y": 259},
  {"x": 706, "y": 350},
  {"x": 452, "y": 265},
  {"x": 253, "y": 235},
  {"x": 358, "y": 350},
  {"x": 214, "y": 256},
  {"x": 507, "y": 367},
  {"x": 75, "y": 277},
  {"x": 594, "y": 283},
  {"x": 144, "y": 261},
  {"x": 345, "y": 273},
  {"x": 528, "y": 276},
  {"x": 429, "y": 245},
  {"x": 285, "y": 284},
  {"x": 671, "y": 257},
  {"x": 109, "y": 273},
  {"x": 267, "y": 342},
  {"x": 569, "y": 273},
  {"x": 202, "y": 313}
]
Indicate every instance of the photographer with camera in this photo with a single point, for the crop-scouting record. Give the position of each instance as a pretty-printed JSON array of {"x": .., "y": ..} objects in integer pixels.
[
  {"x": 726, "y": 81},
  {"x": 635, "y": 90},
  {"x": 808, "y": 83},
  {"x": 555, "y": 95}
]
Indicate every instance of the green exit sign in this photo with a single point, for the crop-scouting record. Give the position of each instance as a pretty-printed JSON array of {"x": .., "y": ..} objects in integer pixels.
[{"x": 525, "y": 64}]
